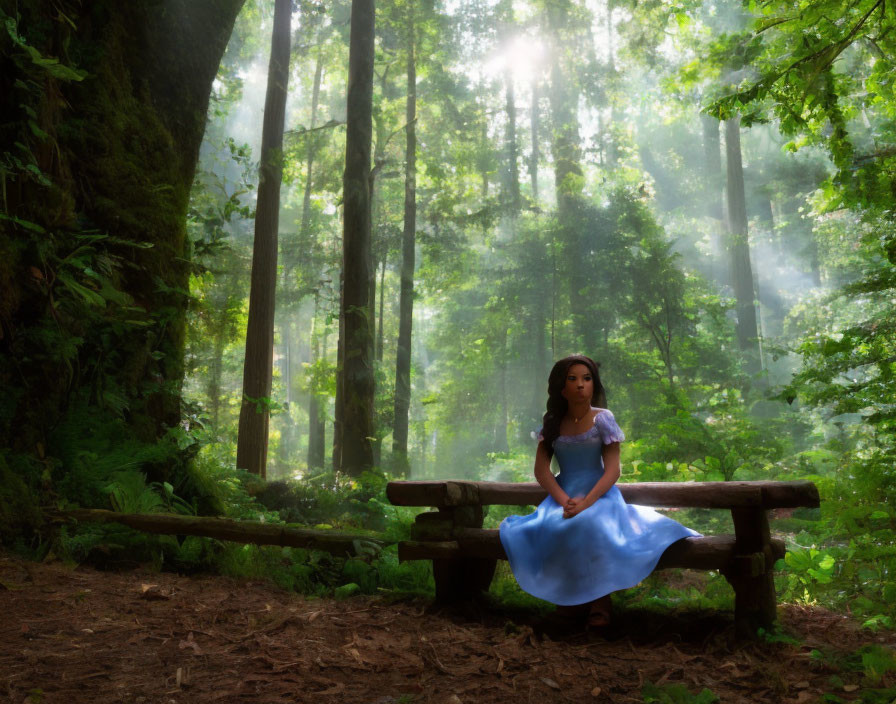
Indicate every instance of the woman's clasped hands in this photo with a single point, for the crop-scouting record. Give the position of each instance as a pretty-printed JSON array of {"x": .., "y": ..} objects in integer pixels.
[{"x": 573, "y": 507}]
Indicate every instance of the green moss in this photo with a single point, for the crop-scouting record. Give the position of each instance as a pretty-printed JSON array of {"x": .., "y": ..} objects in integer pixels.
[{"x": 92, "y": 343}]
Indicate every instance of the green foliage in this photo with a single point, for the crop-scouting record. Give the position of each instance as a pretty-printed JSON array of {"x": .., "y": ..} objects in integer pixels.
[
  {"x": 663, "y": 593},
  {"x": 872, "y": 661},
  {"x": 675, "y": 694},
  {"x": 809, "y": 565},
  {"x": 877, "y": 661},
  {"x": 129, "y": 493},
  {"x": 330, "y": 500}
]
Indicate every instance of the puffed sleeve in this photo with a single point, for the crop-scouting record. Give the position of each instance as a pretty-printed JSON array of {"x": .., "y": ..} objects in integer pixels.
[
  {"x": 609, "y": 431},
  {"x": 538, "y": 435}
]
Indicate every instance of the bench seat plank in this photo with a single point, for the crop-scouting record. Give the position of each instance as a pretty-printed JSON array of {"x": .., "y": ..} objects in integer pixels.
[{"x": 759, "y": 494}]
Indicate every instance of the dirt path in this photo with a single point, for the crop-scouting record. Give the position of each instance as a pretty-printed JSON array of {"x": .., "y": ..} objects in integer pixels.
[{"x": 72, "y": 636}]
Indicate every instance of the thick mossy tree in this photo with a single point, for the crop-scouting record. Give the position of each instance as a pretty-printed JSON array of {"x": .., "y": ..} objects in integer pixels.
[{"x": 102, "y": 111}]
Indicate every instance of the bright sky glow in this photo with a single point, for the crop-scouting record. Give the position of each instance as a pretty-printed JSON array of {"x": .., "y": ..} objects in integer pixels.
[{"x": 524, "y": 56}]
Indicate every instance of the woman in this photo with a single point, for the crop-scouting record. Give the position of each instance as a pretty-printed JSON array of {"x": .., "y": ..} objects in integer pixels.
[{"x": 583, "y": 541}]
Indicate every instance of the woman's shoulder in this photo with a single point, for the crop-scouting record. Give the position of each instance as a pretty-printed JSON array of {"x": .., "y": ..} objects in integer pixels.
[{"x": 605, "y": 422}]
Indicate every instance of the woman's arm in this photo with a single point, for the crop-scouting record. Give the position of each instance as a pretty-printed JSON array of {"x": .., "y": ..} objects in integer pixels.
[
  {"x": 545, "y": 477},
  {"x": 612, "y": 470}
]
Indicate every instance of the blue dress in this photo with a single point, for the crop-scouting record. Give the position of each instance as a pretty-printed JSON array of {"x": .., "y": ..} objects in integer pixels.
[{"x": 609, "y": 546}]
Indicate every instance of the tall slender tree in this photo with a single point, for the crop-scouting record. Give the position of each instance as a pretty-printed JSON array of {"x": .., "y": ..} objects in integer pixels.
[
  {"x": 252, "y": 443},
  {"x": 512, "y": 176},
  {"x": 408, "y": 243},
  {"x": 741, "y": 269},
  {"x": 566, "y": 147},
  {"x": 357, "y": 379},
  {"x": 714, "y": 195},
  {"x": 535, "y": 129},
  {"x": 315, "y": 411}
]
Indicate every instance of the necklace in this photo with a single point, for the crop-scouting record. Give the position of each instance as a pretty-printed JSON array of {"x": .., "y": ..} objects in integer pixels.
[{"x": 576, "y": 420}]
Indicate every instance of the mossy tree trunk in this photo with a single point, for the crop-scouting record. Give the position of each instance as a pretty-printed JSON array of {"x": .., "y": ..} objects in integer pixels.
[
  {"x": 104, "y": 263},
  {"x": 357, "y": 380},
  {"x": 252, "y": 443}
]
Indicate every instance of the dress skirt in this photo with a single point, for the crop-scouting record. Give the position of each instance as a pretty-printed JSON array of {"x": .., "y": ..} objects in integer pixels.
[{"x": 609, "y": 546}]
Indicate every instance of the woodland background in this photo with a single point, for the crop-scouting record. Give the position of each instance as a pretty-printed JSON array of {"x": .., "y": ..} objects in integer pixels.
[{"x": 697, "y": 194}]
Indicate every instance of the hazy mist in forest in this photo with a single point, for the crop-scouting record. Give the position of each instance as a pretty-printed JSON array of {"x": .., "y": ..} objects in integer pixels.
[{"x": 637, "y": 132}]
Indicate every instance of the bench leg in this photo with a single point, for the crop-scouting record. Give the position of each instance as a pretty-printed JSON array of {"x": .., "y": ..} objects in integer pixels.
[
  {"x": 754, "y": 602},
  {"x": 462, "y": 579},
  {"x": 751, "y": 572}
]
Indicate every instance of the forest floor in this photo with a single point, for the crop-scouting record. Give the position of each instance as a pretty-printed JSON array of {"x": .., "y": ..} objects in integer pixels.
[{"x": 81, "y": 635}]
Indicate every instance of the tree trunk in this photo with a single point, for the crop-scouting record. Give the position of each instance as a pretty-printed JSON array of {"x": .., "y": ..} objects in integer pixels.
[
  {"x": 140, "y": 114},
  {"x": 766, "y": 214},
  {"x": 501, "y": 425},
  {"x": 539, "y": 388},
  {"x": 612, "y": 149},
  {"x": 535, "y": 128},
  {"x": 406, "y": 301},
  {"x": 316, "y": 442},
  {"x": 714, "y": 189},
  {"x": 375, "y": 432},
  {"x": 252, "y": 442},
  {"x": 378, "y": 245},
  {"x": 510, "y": 147},
  {"x": 357, "y": 368},
  {"x": 255, "y": 532},
  {"x": 568, "y": 176},
  {"x": 739, "y": 248},
  {"x": 309, "y": 155},
  {"x": 379, "y": 327},
  {"x": 483, "y": 160},
  {"x": 287, "y": 425},
  {"x": 214, "y": 378},
  {"x": 339, "y": 405}
]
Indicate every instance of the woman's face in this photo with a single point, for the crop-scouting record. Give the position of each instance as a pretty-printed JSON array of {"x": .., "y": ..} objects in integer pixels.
[{"x": 579, "y": 385}]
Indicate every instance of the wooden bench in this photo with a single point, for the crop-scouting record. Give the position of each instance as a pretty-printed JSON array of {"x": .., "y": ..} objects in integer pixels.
[{"x": 464, "y": 554}]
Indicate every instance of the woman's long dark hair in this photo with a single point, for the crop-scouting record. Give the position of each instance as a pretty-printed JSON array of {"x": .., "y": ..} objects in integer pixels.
[{"x": 557, "y": 405}]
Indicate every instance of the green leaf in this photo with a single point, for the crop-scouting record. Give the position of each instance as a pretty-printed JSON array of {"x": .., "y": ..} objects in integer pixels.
[
  {"x": 91, "y": 297},
  {"x": 53, "y": 67},
  {"x": 27, "y": 224},
  {"x": 37, "y": 131}
]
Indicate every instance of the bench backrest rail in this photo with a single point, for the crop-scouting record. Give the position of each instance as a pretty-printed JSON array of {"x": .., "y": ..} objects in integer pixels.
[{"x": 759, "y": 494}]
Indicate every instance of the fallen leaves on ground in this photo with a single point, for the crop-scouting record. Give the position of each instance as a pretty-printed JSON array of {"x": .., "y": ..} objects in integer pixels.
[{"x": 79, "y": 635}]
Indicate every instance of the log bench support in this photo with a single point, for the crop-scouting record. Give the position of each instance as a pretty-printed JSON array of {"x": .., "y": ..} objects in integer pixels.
[
  {"x": 463, "y": 577},
  {"x": 750, "y": 572},
  {"x": 464, "y": 555}
]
